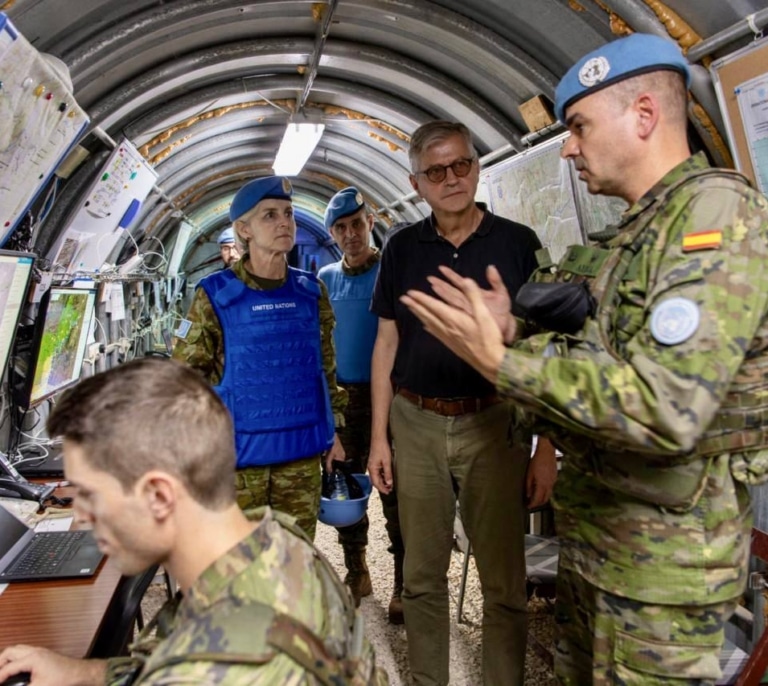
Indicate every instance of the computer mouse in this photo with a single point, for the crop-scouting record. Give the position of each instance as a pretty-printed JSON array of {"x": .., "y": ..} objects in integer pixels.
[{"x": 20, "y": 679}]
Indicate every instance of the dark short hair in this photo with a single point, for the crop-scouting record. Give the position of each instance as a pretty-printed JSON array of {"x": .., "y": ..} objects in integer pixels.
[
  {"x": 433, "y": 132},
  {"x": 151, "y": 414},
  {"x": 668, "y": 85}
]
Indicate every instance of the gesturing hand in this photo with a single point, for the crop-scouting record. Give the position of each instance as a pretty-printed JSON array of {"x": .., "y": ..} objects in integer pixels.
[{"x": 462, "y": 320}]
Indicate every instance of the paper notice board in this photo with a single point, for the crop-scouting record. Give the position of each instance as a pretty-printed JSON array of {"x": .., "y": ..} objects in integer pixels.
[
  {"x": 741, "y": 82},
  {"x": 40, "y": 121}
]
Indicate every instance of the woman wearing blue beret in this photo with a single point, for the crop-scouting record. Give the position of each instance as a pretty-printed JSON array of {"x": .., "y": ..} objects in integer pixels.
[{"x": 261, "y": 333}]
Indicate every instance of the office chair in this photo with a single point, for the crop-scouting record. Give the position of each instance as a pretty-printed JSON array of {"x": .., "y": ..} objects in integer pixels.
[
  {"x": 755, "y": 668},
  {"x": 541, "y": 553},
  {"x": 124, "y": 611}
]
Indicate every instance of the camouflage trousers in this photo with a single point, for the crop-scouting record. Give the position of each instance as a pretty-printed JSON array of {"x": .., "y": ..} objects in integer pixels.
[
  {"x": 290, "y": 487},
  {"x": 356, "y": 439},
  {"x": 605, "y": 639}
]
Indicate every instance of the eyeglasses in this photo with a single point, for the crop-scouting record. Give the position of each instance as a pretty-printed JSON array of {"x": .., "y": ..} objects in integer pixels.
[{"x": 438, "y": 172}]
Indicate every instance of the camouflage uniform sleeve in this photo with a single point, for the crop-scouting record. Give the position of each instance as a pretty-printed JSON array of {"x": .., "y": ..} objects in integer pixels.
[
  {"x": 658, "y": 398},
  {"x": 203, "y": 346},
  {"x": 280, "y": 669},
  {"x": 121, "y": 671},
  {"x": 327, "y": 323}
]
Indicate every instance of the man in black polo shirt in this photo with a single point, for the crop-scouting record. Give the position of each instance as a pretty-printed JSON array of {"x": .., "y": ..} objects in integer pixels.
[{"x": 450, "y": 429}]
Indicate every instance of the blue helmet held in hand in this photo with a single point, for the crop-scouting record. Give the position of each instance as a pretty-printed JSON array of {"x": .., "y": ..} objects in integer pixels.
[{"x": 346, "y": 512}]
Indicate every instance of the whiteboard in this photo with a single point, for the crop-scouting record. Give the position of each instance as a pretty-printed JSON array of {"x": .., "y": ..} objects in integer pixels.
[
  {"x": 110, "y": 206},
  {"x": 40, "y": 121}
]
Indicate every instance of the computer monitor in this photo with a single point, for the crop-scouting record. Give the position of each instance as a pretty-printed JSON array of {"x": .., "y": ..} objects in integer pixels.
[
  {"x": 61, "y": 338},
  {"x": 15, "y": 274}
]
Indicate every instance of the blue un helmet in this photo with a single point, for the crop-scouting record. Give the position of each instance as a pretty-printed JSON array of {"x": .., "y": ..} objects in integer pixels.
[
  {"x": 346, "y": 512},
  {"x": 226, "y": 236}
]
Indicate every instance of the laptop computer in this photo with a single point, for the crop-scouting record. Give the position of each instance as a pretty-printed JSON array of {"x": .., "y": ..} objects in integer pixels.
[
  {"x": 49, "y": 466},
  {"x": 26, "y": 555}
]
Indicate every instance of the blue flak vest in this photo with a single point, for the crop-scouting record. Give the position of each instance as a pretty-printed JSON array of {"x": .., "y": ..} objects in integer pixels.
[
  {"x": 273, "y": 384},
  {"x": 356, "y": 325}
]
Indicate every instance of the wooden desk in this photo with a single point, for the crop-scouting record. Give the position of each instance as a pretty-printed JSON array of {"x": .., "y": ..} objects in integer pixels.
[{"x": 61, "y": 615}]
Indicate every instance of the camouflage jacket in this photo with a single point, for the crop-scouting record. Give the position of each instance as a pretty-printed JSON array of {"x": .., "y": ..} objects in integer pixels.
[
  {"x": 203, "y": 346},
  {"x": 629, "y": 397},
  {"x": 270, "y": 611},
  {"x": 369, "y": 264}
]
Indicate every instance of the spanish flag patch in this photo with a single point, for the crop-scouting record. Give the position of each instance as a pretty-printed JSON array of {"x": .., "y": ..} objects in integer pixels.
[{"x": 702, "y": 240}]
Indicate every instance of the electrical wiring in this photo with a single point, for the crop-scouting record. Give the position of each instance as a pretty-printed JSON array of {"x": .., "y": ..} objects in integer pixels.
[
  {"x": 162, "y": 265},
  {"x": 162, "y": 246},
  {"x": 42, "y": 447},
  {"x": 103, "y": 331}
]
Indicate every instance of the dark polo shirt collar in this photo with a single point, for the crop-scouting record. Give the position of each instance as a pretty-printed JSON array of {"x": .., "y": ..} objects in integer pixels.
[{"x": 427, "y": 232}]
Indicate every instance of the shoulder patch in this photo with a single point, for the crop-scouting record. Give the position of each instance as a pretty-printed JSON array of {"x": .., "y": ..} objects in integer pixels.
[
  {"x": 183, "y": 329},
  {"x": 674, "y": 321},
  {"x": 702, "y": 240}
]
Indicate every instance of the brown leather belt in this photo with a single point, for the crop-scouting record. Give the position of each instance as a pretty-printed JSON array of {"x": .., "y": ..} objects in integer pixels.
[{"x": 450, "y": 407}]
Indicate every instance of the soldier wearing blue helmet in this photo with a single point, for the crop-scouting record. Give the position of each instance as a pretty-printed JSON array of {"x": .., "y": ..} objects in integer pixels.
[
  {"x": 650, "y": 380},
  {"x": 350, "y": 284},
  {"x": 261, "y": 333},
  {"x": 228, "y": 248}
]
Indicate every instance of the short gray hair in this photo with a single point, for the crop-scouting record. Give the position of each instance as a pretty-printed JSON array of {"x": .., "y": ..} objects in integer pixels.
[{"x": 432, "y": 132}]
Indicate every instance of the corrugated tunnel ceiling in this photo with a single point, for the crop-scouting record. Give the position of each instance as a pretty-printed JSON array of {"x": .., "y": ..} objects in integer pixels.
[{"x": 204, "y": 88}]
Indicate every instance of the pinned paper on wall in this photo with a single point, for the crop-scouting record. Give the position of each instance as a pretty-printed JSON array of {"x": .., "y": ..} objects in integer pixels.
[
  {"x": 116, "y": 302},
  {"x": 110, "y": 208},
  {"x": 40, "y": 121},
  {"x": 741, "y": 84},
  {"x": 752, "y": 97}
]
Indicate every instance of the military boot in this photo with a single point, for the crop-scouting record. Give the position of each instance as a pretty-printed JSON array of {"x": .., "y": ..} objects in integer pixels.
[
  {"x": 358, "y": 579},
  {"x": 396, "y": 603}
]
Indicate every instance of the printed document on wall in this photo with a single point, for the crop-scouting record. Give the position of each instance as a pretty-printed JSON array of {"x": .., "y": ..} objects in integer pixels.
[{"x": 752, "y": 97}]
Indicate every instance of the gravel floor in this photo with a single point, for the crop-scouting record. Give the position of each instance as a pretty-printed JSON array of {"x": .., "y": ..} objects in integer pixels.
[{"x": 390, "y": 642}]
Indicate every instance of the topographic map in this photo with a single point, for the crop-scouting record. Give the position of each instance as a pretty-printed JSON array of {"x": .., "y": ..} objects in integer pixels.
[{"x": 537, "y": 188}]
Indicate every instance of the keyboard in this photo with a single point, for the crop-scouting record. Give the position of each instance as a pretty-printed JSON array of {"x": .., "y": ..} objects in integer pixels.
[{"x": 45, "y": 553}]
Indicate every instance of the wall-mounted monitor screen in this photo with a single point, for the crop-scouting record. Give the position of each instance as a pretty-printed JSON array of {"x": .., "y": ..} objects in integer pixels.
[
  {"x": 15, "y": 273},
  {"x": 61, "y": 337}
]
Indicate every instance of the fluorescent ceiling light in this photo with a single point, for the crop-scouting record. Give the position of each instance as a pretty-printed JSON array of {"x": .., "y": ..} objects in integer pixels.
[{"x": 299, "y": 141}]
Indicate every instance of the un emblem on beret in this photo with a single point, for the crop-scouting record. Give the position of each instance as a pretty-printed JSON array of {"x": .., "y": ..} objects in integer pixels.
[
  {"x": 359, "y": 199},
  {"x": 594, "y": 71},
  {"x": 286, "y": 186}
]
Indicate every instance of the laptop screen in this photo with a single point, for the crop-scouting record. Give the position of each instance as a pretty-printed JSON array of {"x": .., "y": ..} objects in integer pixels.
[{"x": 11, "y": 530}]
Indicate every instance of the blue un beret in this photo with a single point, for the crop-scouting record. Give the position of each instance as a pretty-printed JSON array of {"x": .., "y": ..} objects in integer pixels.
[
  {"x": 257, "y": 190},
  {"x": 615, "y": 61},
  {"x": 347, "y": 201},
  {"x": 226, "y": 236}
]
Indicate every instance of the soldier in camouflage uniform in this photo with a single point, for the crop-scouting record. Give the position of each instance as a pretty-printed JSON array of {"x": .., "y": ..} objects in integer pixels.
[
  {"x": 648, "y": 371},
  {"x": 350, "y": 284},
  {"x": 284, "y": 400},
  {"x": 258, "y": 603}
]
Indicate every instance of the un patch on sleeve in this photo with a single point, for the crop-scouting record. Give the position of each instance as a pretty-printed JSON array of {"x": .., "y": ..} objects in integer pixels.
[{"x": 674, "y": 321}]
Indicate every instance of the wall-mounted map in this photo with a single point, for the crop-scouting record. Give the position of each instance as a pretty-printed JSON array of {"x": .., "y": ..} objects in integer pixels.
[{"x": 538, "y": 188}]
